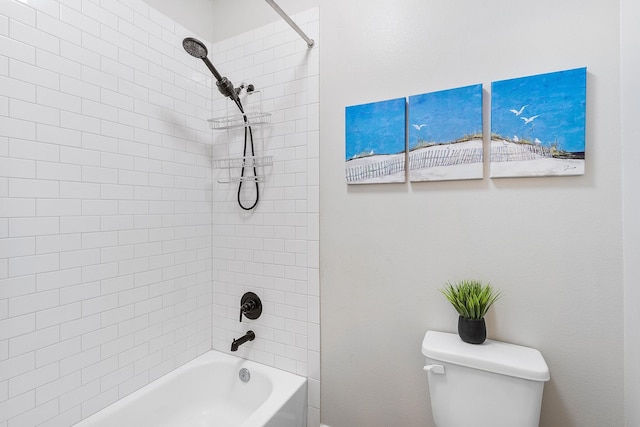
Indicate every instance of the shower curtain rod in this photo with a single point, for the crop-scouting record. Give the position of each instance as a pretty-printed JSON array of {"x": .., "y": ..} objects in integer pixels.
[{"x": 293, "y": 25}]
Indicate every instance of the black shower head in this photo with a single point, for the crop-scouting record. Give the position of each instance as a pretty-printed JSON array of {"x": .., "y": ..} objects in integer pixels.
[{"x": 195, "y": 47}]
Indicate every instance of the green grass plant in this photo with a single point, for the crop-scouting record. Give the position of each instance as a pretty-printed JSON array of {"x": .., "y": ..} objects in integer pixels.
[{"x": 471, "y": 298}]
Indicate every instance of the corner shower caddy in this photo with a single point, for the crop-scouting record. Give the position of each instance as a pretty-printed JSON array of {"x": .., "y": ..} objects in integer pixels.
[{"x": 256, "y": 118}]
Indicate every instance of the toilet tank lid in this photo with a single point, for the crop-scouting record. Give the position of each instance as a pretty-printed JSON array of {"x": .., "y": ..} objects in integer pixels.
[{"x": 492, "y": 356}]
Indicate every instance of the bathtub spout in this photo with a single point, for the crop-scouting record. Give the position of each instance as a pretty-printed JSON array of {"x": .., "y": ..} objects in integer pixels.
[{"x": 249, "y": 336}]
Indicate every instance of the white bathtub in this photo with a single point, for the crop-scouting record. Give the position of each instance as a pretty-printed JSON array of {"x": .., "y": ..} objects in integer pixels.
[{"x": 207, "y": 392}]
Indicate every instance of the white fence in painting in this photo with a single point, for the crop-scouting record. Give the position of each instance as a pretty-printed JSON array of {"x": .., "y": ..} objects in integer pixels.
[
  {"x": 375, "y": 170},
  {"x": 445, "y": 157},
  {"x": 519, "y": 152},
  {"x": 433, "y": 158}
]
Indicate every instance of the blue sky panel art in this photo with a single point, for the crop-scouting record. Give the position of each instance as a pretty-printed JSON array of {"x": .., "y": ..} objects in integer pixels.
[
  {"x": 445, "y": 135},
  {"x": 375, "y": 142},
  {"x": 538, "y": 125}
]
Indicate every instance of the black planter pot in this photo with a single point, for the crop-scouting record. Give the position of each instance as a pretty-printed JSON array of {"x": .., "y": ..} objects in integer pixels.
[{"x": 472, "y": 331}]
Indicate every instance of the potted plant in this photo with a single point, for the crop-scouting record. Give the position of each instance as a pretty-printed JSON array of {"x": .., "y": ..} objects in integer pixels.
[{"x": 472, "y": 300}]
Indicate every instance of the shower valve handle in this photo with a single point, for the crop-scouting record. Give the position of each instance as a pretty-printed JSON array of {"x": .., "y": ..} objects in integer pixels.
[{"x": 250, "y": 306}]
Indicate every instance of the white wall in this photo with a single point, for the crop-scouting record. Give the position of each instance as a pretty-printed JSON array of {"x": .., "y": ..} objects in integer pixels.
[
  {"x": 630, "y": 91},
  {"x": 554, "y": 245},
  {"x": 192, "y": 14},
  {"x": 234, "y": 17},
  {"x": 273, "y": 249},
  {"x": 105, "y": 206}
]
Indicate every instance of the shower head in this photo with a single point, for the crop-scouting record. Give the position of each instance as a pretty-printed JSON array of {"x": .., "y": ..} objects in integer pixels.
[{"x": 196, "y": 48}]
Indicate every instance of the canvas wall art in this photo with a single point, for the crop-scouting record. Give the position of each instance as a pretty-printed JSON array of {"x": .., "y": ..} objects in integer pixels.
[
  {"x": 538, "y": 125},
  {"x": 375, "y": 142},
  {"x": 445, "y": 135}
]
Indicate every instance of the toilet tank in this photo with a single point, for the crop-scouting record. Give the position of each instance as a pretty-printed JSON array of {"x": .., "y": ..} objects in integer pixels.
[{"x": 494, "y": 384}]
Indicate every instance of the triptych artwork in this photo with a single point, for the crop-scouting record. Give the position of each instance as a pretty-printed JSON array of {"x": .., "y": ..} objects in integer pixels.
[{"x": 537, "y": 129}]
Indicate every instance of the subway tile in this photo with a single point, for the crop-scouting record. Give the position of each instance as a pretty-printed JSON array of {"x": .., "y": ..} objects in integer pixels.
[
  {"x": 78, "y": 190},
  {"x": 50, "y": 23},
  {"x": 99, "y": 402},
  {"x": 30, "y": 380},
  {"x": 58, "y": 279},
  {"x": 58, "y": 171},
  {"x": 17, "y": 50},
  {"x": 122, "y": 10},
  {"x": 58, "y": 207},
  {"x": 33, "y": 340},
  {"x": 17, "y": 168},
  {"x": 99, "y": 174},
  {"x": 75, "y": 397},
  {"x": 81, "y": 258},
  {"x": 31, "y": 303},
  {"x": 99, "y": 78},
  {"x": 19, "y": 404},
  {"x": 14, "y": 366},
  {"x": 32, "y": 74},
  {"x": 57, "y": 315},
  {"x": 76, "y": 19},
  {"x": 95, "y": 141},
  {"x": 35, "y": 226},
  {"x": 99, "y": 14},
  {"x": 116, "y": 69},
  {"x": 27, "y": 149},
  {"x": 58, "y": 387},
  {"x": 54, "y": 134},
  {"x": 79, "y": 156},
  {"x": 33, "y": 264},
  {"x": 72, "y": 417},
  {"x": 100, "y": 207},
  {"x": 17, "y": 286},
  {"x": 15, "y": 128},
  {"x": 16, "y": 326},
  {"x": 77, "y": 328},
  {"x": 116, "y": 38},
  {"x": 74, "y": 86},
  {"x": 34, "y": 37},
  {"x": 116, "y": 253},
  {"x": 57, "y": 243},
  {"x": 81, "y": 122},
  {"x": 17, "y": 89}
]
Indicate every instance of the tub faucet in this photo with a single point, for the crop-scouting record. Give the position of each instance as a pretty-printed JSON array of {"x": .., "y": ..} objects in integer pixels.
[{"x": 249, "y": 336}]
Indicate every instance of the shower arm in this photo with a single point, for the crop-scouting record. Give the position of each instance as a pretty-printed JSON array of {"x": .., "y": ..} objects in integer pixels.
[{"x": 293, "y": 25}]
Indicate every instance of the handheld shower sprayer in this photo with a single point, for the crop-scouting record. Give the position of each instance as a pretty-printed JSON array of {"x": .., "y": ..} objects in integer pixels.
[{"x": 197, "y": 49}]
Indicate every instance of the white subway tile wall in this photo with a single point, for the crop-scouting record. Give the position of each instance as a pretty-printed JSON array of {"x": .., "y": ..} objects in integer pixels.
[
  {"x": 105, "y": 206},
  {"x": 272, "y": 250}
]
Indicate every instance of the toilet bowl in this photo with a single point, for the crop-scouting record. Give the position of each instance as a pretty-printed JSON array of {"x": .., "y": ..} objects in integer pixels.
[{"x": 494, "y": 384}]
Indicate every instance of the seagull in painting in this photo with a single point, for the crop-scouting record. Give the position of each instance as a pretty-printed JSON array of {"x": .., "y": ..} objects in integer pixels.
[
  {"x": 518, "y": 112},
  {"x": 418, "y": 127},
  {"x": 515, "y": 138},
  {"x": 537, "y": 141},
  {"x": 528, "y": 120}
]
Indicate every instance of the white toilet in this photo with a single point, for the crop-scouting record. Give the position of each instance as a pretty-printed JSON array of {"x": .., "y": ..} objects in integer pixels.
[{"x": 494, "y": 384}]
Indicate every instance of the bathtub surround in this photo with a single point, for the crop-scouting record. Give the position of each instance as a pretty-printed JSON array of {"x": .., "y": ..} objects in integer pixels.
[
  {"x": 272, "y": 250},
  {"x": 106, "y": 250},
  {"x": 105, "y": 278}
]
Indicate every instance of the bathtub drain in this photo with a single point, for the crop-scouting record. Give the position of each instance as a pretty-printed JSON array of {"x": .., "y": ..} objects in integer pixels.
[{"x": 244, "y": 375}]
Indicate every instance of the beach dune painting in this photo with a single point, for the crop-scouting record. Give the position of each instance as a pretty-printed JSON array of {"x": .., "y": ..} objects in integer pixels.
[
  {"x": 375, "y": 142},
  {"x": 538, "y": 125},
  {"x": 445, "y": 135}
]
